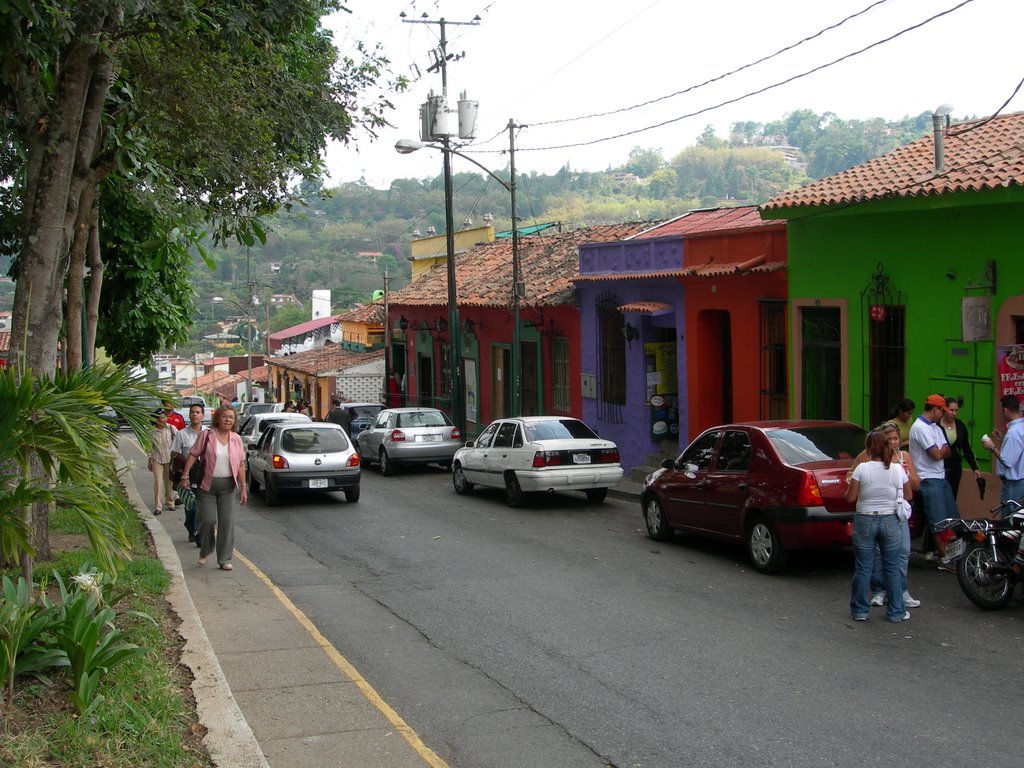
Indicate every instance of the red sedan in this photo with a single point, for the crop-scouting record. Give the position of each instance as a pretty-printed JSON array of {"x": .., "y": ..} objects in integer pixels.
[{"x": 775, "y": 486}]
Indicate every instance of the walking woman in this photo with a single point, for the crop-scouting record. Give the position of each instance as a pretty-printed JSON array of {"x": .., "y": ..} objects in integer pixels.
[
  {"x": 879, "y": 486},
  {"x": 160, "y": 462},
  {"x": 220, "y": 450},
  {"x": 959, "y": 440}
]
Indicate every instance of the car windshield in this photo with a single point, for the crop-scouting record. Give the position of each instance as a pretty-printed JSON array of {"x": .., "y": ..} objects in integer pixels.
[
  {"x": 422, "y": 419},
  {"x": 314, "y": 440},
  {"x": 559, "y": 429},
  {"x": 253, "y": 408},
  {"x": 804, "y": 445},
  {"x": 363, "y": 412}
]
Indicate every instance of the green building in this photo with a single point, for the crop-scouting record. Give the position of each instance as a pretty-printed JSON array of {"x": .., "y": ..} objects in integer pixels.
[{"x": 906, "y": 276}]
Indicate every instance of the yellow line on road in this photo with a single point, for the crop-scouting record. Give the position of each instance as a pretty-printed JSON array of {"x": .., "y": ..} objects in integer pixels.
[{"x": 428, "y": 755}]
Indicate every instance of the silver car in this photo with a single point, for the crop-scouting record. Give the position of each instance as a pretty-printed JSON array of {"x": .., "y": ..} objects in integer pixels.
[
  {"x": 292, "y": 456},
  {"x": 257, "y": 424},
  {"x": 409, "y": 436},
  {"x": 534, "y": 454}
]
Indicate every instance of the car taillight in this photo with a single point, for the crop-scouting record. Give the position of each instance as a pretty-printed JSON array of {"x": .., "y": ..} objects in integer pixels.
[
  {"x": 279, "y": 462},
  {"x": 609, "y": 456},
  {"x": 353, "y": 460},
  {"x": 809, "y": 494},
  {"x": 546, "y": 459},
  {"x": 456, "y": 434},
  {"x": 397, "y": 436}
]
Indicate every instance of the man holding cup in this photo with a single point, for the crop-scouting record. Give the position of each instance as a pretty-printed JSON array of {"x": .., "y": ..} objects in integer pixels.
[{"x": 1009, "y": 450}]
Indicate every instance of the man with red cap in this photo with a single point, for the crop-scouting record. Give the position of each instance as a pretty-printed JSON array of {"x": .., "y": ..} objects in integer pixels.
[{"x": 928, "y": 448}]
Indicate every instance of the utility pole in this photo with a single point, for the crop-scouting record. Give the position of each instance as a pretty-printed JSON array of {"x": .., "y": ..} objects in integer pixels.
[
  {"x": 517, "y": 282},
  {"x": 388, "y": 364},
  {"x": 439, "y": 131}
]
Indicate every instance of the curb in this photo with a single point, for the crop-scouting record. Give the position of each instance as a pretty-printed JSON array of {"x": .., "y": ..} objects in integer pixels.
[{"x": 229, "y": 739}]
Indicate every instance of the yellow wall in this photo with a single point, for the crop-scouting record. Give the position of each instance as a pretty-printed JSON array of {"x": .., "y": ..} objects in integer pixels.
[{"x": 428, "y": 251}]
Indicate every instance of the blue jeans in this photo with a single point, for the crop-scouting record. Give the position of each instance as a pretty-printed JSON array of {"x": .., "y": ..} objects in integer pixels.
[
  {"x": 1012, "y": 489},
  {"x": 937, "y": 498},
  {"x": 883, "y": 531},
  {"x": 877, "y": 579}
]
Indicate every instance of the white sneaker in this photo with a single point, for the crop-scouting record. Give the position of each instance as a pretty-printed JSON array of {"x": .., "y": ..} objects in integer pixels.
[
  {"x": 878, "y": 599},
  {"x": 910, "y": 602}
]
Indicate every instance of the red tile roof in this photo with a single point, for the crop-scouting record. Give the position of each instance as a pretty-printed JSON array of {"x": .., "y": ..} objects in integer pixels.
[
  {"x": 549, "y": 264},
  {"x": 372, "y": 313},
  {"x": 979, "y": 155},
  {"x": 303, "y": 328},
  {"x": 706, "y": 221},
  {"x": 325, "y": 359},
  {"x": 5, "y": 341},
  {"x": 647, "y": 307}
]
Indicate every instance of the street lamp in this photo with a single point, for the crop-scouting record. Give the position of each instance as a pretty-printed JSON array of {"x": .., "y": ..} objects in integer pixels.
[
  {"x": 407, "y": 146},
  {"x": 248, "y": 351}
]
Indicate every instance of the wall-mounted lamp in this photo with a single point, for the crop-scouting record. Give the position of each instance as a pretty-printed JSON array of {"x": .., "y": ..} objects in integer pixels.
[
  {"x": 469, "y": 328},
  {"x": 630, "y": 334},
  {"x": 403, "y": 324},
  {"x": 442, "y": 325}
]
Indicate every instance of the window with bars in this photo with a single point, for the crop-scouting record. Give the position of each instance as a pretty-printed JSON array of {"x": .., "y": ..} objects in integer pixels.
[
  {"x": 773, "y": 372},
  {"x": 612, "y": 352},
  {"x": 560, "y": 374}
]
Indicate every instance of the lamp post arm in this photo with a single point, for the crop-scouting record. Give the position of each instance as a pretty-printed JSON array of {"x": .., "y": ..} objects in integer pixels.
[{"x": 484, "y": 168}]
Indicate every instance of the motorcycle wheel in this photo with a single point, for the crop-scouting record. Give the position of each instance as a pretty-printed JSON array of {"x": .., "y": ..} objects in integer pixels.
[{"x": 984, "y": 589}]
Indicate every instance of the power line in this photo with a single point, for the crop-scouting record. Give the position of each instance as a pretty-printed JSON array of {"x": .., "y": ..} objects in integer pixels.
[
  {"x": 688, "y": 89},
  {"x": 995, "y": 114},
  {"x": 749, "y": 94}
]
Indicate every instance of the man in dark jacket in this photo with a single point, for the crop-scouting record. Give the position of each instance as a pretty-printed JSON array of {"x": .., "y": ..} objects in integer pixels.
[{"x": 339, "y": 415}]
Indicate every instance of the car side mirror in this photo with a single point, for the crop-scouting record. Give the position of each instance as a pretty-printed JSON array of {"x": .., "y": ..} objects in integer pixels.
[
  {"x": 469, "y": 443},
  {"x": 668, "y": 464}
]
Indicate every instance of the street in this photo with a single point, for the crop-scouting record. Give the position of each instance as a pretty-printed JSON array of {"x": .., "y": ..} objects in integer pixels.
[{"x": 558, "y": 635}]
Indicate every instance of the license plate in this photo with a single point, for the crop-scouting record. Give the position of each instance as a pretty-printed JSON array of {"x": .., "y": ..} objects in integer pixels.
[
  {"x": 581, "y": 458},
  {"x": 318, "y": 482},
  {"x": 955, "y": 548},
  {"x": 430, "y": 438}
]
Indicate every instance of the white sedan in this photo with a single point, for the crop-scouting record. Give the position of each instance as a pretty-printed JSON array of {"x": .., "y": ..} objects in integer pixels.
[{"x": 530, "y": 454}]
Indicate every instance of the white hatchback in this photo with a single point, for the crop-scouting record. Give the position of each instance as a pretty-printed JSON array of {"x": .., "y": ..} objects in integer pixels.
[{"x": 531, "y": 454}]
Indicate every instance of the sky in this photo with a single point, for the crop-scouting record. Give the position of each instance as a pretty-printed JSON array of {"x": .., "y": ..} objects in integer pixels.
[{"x": 537, "y": 62}]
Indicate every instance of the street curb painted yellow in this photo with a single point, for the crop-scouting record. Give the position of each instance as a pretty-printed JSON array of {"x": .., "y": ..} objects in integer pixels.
[{"x": 413, "y": 739}]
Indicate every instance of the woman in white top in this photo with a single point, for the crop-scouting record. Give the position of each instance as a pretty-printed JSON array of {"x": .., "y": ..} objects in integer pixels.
[{"x": 879, "y": 486}]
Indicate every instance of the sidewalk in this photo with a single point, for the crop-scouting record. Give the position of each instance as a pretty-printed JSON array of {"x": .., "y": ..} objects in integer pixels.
[{"x": 270, "y": 689}]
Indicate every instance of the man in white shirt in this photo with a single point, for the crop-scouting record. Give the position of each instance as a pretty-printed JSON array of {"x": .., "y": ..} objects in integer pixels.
[
  {"x": 183, "y": 441},
  {"x": 928, "y": 448}
]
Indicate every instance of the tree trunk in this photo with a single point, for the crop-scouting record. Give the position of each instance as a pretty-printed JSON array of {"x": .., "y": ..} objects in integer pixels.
[
  {"x": 92, "y": 307},
  {"x": 76, "y": 354},
  {"x": 52, "y": 150}
]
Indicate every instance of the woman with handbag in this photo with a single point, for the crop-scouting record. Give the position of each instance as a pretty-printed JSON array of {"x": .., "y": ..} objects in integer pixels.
[
  {"x": 221, "y": 453},
  {"x": 879, "y": 486}
]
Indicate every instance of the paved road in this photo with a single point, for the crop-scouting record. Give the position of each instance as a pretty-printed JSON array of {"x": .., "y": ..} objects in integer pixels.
[{"x": 559, "y": 636}]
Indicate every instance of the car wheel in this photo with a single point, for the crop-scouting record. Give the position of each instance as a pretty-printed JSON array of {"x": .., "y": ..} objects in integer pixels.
[
  {"x": 387, "y": 467},
  {"x": 273, "y": 497},
  {"x": 352, "y": 494},
  {"x": 513, "y": 492},
  {"x": 764, "y": 549},
  {"x": 462, "y": 485},
  {"x": 596, "y": 495},
  {"x": 253, "y": 485},
  {"x": 654, "y": 518}
]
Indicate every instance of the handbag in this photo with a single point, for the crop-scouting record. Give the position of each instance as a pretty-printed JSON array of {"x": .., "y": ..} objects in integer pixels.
[{"x": 195, "y": 475}]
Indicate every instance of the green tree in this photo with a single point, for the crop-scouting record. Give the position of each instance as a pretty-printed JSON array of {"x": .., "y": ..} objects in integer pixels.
[
  {"x": 210, "y": 106},
  {"x": 709, "y": 139}
]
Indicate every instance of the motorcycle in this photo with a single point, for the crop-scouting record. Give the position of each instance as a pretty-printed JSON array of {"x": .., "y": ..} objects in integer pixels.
[{"x": 984, "y": 552}]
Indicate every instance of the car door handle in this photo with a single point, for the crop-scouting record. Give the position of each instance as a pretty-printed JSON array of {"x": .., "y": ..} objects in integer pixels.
[
  {"x": 742, "y": 486},
  {"x": 701, "y": 485}
]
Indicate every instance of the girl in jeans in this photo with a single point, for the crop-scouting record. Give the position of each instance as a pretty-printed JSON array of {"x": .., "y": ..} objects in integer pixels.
[{"x": 878, "y": 486}]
